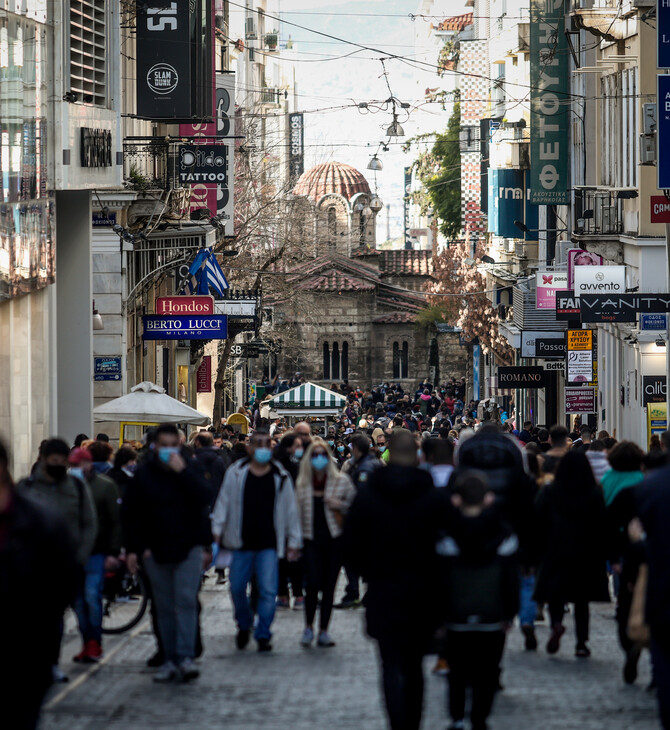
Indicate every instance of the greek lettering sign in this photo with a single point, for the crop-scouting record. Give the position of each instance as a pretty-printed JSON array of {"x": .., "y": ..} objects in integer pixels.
[
  {"x": 203, "y": 163},
  {"x": 549, "y": 104},
  {"x": 663, "y": 130},
  {"x": 521, "y": 377},
  {"x": 406, "y": 207},
  {"x": 621, "y": 307},
  {"x": 653, "y": 321},
  {"x": 199, "y": 304},
  {"x": 598, "y": 279},
  {"x": 580, "y": 340},
  {"x": 203, "y": 376},
  {"x": 163, "y": 60},
  {"x": 107, "y": 368},
  {"x": 189, "y": 327},
  {"x": 567, "y": 305},
  {"x": 653, "y": 389},
  {"x": 296, "y": 149},
  {"x": 580, "y": 400},
  {"x": 579, "y": 366},
  {"x": 548, "y": 283},
  {"x": 663, "y": 33}
]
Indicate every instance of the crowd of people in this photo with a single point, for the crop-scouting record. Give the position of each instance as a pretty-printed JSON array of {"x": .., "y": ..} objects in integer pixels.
[{"x": 406, "y": 495}]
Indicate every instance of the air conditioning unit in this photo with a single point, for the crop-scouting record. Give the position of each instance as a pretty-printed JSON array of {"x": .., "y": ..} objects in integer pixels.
[
  {"x": 510, "y": 245},
  {"x": 647, "y": 149},
  {"x": 251, "y": 29}
]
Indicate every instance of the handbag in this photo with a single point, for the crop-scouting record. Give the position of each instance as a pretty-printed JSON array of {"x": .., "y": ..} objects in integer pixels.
[{"x": 638, "y": 629}]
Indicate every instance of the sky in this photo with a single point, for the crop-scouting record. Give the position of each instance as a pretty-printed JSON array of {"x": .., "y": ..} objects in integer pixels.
[{"x": 325, "y": 80}]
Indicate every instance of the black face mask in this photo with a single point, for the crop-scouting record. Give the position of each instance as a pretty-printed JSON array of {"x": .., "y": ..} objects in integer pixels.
[{"x": 56, "y": 471}]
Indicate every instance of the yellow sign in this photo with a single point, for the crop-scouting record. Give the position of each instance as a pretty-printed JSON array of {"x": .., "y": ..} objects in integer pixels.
[
  {"x": 657, "y": 419},
  {"x": 594, "y": 382},
  {"x": 580, "y": 340},
  {"x": 239, "y": 422}
]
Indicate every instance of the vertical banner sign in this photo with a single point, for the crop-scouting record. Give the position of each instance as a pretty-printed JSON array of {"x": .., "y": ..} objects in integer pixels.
[
  {"x": 216, "y": 195},
  {"x": 579, "y": 360},
  {"x": 203, "y": 376},
  {"x": 549, "y": 78},
  {"x": 406, "y": 222},
  {"x": 476, "y": 356},
  {"x": 296, "y": 149},
  {"x": 663, "y": 130},
  {"x": 663, "y": 33},
  {"x": 163, "y": 54}
]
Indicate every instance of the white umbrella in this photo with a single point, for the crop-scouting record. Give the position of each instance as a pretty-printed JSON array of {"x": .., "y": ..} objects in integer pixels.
[{"x": 148, "y": 403}]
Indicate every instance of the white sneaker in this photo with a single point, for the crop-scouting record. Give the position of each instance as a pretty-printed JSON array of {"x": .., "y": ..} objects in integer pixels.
[
  {"x": 307, "y": 637},
  {"x": 167, "y": 673}
]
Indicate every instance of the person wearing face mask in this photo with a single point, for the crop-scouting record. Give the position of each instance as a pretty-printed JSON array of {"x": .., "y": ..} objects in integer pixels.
[
  {"x": 71, "y": 498},
  {"x": 123, "y": 469},
  {"x": 256, "y": 517},
  {"x": 165, "y": 520},
  {"x": 323, "y": 496},
  {"x": 88, "y": 605}
]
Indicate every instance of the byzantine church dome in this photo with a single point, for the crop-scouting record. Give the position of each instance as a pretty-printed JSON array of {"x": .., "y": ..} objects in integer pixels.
[{"x": 331, "y": 177}]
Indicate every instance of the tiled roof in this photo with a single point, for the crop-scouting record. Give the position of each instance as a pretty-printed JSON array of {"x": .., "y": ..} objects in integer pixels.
[
  {"x": 407, "y": 262},
  {"x": 331, "y": 177},
  {"x": 396, "y": 318},
  {"x": 333, "y": 280},
  {"x": 457, "y": 22}
]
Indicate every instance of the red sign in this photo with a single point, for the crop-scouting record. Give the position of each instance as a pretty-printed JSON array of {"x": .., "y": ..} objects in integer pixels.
[
  {"x": 203, "y": 377},
  {"x": 660, "y": 209},
  {"x": 580, "y": 400},
  {"x": 199, "y": 304}
]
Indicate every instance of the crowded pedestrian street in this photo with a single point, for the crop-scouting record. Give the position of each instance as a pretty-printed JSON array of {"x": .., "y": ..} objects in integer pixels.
[{"x": 339, "y": 688}]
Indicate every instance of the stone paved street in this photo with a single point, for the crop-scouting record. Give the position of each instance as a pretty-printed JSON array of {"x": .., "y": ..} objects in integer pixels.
[{"x": 337, "y": 689}]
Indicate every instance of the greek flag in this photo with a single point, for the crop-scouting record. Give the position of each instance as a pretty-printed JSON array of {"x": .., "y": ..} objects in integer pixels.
[{"x": 204, "y": 273}]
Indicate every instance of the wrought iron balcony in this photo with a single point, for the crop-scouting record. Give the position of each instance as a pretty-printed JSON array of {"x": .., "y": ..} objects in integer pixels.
[{"x": 599, "y": 211}]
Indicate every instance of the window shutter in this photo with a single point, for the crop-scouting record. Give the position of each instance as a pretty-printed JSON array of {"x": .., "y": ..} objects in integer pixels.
[{"x": 88, "y": 47}]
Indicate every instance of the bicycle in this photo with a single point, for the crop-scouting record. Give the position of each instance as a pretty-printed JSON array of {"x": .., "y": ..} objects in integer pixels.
[{"x": 124, "y": 601}]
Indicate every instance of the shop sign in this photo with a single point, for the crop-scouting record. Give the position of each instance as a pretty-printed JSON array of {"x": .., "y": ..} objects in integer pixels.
[
  {"x": 600, "y": 279},
  {"x": 580, "y": 400},
  {"x": 530, "y": 337},
  {"x": 163, "y": 76},
  {"x": 657, "y": 419},
  {"x": 521, "y": 377},
  {"x": 406, "y": 207},
  {"x": 663, "y": 33},
  {"x": 203, "y": 163},
  {"x": 548, "y": 283},
  {"x": 653, "y": 321},
  {"x": 580, "y": 340},
  {"x": 550, "y": 348},
  {"x": 296, "y": 150},
  {"x": 203, "y": 376},
  {"x": 660, "y": 206},
  {"x": 549, "y": 104},
  {"x": 653, "y": 389},
  {"x": 95, "y": 147},
  {"x": 567, "y": 305},
  {"x": 199, "y": 304},
  {"x": 236, "y": 307},
  {"x": 99, "y": 220},
  {"x": 189, "y": 327},
  {"x": 508, "y": 201},
  {"x": 622, "y": 307},
  {"x": 663, "y": 131},
  {"x": 557, "y": 365},
  {"x": 106, "y": 368},
  {"x": 579, "y": 257}
]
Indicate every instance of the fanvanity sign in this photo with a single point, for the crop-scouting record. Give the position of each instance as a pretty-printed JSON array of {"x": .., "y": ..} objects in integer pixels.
[
  {"x": 199, "y": 304},
  {"x": 520, "y": 377},
  {"x": 548, "y": 283},
  {"x": 600, "y": 279},
  {"x": 191, "y": 327},
  {"x": 621, "y": 308},
  {"x": 567, "y": 305}
]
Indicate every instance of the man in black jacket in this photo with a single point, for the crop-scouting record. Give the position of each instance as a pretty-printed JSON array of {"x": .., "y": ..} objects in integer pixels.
[
  {"x": 388, "y": 540},
  {"x": 166, "y": 521},
  {"x": 39, "y": 576},
  {"x": 214, "y": 461}
]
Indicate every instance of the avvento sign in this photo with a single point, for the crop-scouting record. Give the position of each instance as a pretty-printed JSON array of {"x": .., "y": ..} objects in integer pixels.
[
  {"x": 599, "y": 279},
  {"x": 528, "y": 377}
]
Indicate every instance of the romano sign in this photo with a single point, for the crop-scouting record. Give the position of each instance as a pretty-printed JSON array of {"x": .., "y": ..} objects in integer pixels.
[
  {"x": 621, "y": 307},
  {"x": 549, "y": 104},
  {"x": 525, "y": 377}
]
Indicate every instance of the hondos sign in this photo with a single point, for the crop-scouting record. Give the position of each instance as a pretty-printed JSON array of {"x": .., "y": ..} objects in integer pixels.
[{"x": 530, "y": 377}]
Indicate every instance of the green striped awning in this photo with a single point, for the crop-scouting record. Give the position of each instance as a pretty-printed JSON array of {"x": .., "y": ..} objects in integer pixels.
[{"x": 307, "y": 395}]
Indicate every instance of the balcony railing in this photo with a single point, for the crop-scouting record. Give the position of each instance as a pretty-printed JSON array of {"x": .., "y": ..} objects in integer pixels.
[
  {"x": 599, "y": 211},
  {"x": 270, "y": 96}
]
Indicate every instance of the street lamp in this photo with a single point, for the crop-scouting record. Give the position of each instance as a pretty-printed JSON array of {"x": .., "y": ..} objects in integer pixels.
[
  {"x": 395, "y": 130},
  {"x": 376, "y": 203},
  {"x": 98, "y": 324},
  {"x": 375, "y": 163},
  {"x": 524, "y": 228}
]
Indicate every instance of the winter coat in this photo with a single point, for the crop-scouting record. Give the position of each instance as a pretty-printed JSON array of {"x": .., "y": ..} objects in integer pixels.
[
  {"x": 228, "y": 514},
  {"x": 340, "y": 487},
  {"x": 72, "y": 499},
  {"x": 599, "y": 464},
  {"x": 214, "y": 463},
  {"x": 571, "y": 526},
  {"x": 165, "y": 511},
  {"x": 654, "y": 512},
  {"x": 105, "y": 495},
  {"x": 614, "y": 481},
  {"x": 389, "y": 540}
]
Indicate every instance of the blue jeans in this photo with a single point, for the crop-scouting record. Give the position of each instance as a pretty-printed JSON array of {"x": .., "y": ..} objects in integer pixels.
[
  {"x": 263, "y": 564},
  {"x": 88, "y": 604},
  {"x": 527, "y": 606}
]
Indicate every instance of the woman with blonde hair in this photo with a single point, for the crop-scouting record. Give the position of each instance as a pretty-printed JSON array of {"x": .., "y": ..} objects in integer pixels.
[{"x": 323, "y": 495}]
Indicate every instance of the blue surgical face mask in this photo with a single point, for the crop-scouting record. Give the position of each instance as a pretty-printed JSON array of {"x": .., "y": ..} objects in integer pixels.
[
  {"x": 262, "y": 454},
  {"x": 299, "y": 453},
  {"x": 382, "y": 449},
  {"x": 340, "y": 448},
  {"x": 77, "y": 471},
  {"x": 165, "y": 452},
  {"x": 129, "y": 469},
  {"x": 320, "y": 462},
  {"x": 331, "y": 443}
]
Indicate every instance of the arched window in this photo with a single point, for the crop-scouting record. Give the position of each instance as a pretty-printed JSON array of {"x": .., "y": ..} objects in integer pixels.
[
  {"x": 345, "y": 360},
  {"x": 332, "y": 221},
  {"x": 336, "y": 361},
  {"x": 396, "y": 360},
  {"x": 326, "y": 361},
  {"x": 404, "y": 361}
]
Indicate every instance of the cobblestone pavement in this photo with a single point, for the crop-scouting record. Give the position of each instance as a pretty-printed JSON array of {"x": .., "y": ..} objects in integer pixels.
[{"x": 337, "y": 689}]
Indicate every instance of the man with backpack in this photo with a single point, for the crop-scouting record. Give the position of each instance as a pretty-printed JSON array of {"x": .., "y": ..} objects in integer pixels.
[{"x": 70, "y": 496}]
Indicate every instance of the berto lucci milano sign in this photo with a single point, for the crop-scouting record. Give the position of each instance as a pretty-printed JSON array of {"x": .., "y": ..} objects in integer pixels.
[{"x": 189, "y": 327}]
